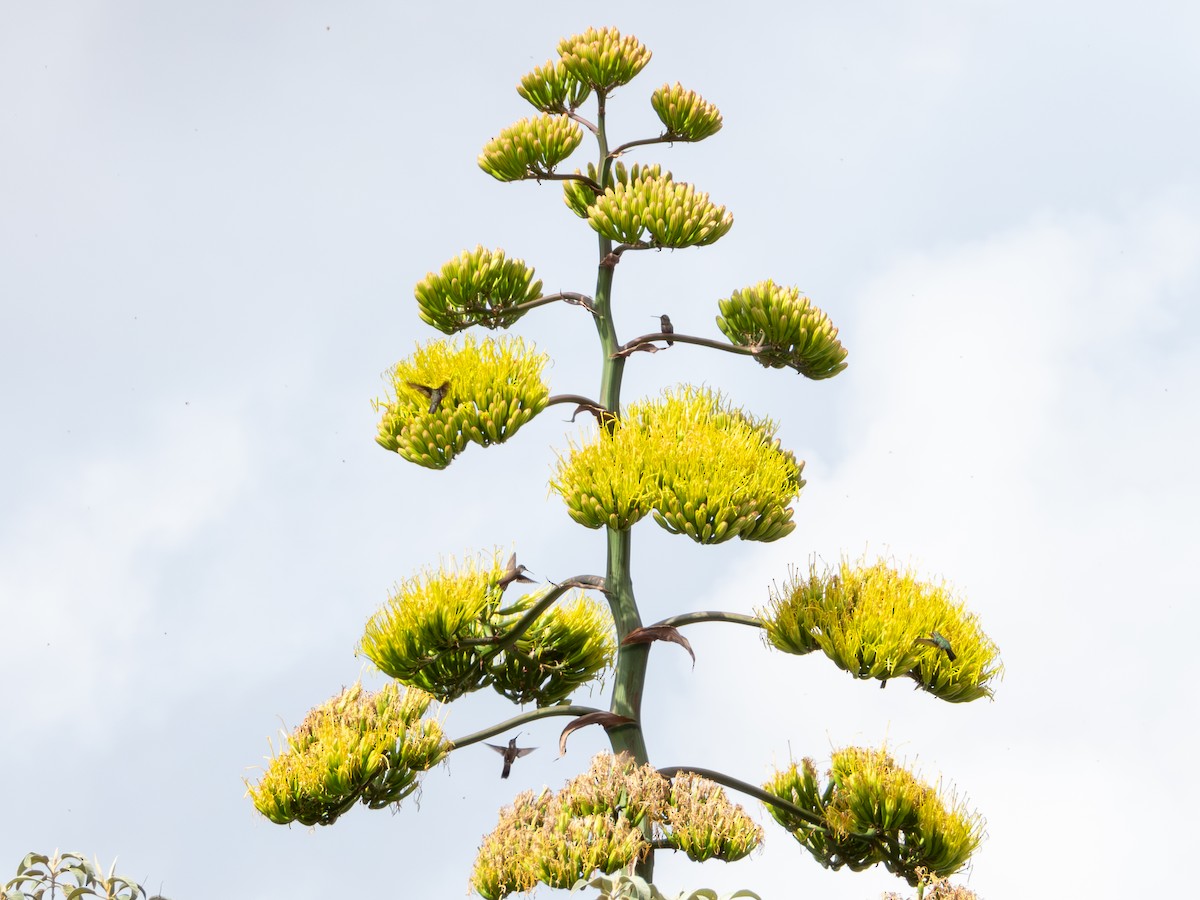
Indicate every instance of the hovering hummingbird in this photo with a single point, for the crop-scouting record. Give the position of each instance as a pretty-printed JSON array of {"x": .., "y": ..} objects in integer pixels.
[
  {"x": 667, "y": 328},
  {"x": 513, "y": 572},
  {"x": 936, "y": 640},
  {"x": 435, "y": 394},
  {"x": 511, "y": 753}
]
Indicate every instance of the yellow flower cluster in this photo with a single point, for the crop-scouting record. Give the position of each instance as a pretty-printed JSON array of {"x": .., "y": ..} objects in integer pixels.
[
  {"x": 441, "y": 631},
  {"x": 705, "y": 469},
  {"x": 878, "y": 622},
  {"x": 568, "y": 646},
  {"x": 477, "y": 287},
  {"x": 599, "y": 821},
  {"x": 356, "y": 747},
  {"x": 875, "y": 811},
  {"x": 451, "y": 392},
  {"x": 530, "y": 148}
]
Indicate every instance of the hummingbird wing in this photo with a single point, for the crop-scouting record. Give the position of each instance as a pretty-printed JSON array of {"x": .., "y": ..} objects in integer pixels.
[
  {"x": 942, "y": 644},
  {"x": 514, "y": 572},
  {"x": 525, "y": 751},
  {"x": 424, "y": 389},
  {"x": 501, "y": 750}
]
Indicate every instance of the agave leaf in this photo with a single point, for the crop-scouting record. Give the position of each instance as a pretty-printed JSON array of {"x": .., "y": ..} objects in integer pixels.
[{"x": 31, "y": 860}]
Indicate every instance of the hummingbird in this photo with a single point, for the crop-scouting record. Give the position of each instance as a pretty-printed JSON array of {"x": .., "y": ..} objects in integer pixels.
[
  {"x": 936, "y": 640},
  {"x": 511, "y": 753},
  {"x": 667, "y": 328},
  {"x": 513, "y": 572},
  {"x": 435, "y": 394}
]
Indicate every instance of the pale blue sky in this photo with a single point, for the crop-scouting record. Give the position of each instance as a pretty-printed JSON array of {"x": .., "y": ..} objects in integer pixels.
[{"x": 211, "y": 219}]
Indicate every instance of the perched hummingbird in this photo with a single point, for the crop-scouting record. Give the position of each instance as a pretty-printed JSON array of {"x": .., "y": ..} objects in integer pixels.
[
  {"x": 513, "y": 572},
  {"x": 936, "y": 640},
  {"x": 511, "y": 753},
  {"x": 667, "y": 328},
  {"x": 435, "y": 394}
]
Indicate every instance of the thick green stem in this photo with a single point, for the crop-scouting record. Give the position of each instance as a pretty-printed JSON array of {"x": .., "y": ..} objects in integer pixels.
[
  {"x": 631, "y": 659},
  {"x": 630, "y": 674}
]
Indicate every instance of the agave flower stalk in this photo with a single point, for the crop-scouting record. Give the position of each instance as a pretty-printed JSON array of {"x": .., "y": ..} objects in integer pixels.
[{"x": 694, "y": 461}]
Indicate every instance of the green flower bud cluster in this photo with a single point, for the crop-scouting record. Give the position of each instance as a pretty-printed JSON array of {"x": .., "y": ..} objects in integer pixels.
[
  {"x": 594, "y": 824},
  {"x": 875, "y": 811},
  {"x": 530, "y": 148},
  {"x": 553, "y": 89},
  {"x": 580, "y": 196},
  {"x": 603, "y": 58},
  {"x": 446, "y": 632},
  {"x": 784, "y": 328},
  {"x": 356, "y": 747},
  {"x": 477, "y": 287},
  {"x": 876, "y": 622},
  {"x": 485, "y": 391},
  {"x": 686, "y": 115},
  {"x": 660, "y": 459},
  {"x": 672, "y": 214}
]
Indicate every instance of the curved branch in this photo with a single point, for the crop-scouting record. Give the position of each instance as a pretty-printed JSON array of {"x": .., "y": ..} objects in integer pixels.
[
  {"x": 606, "y": 418},
  {"x": 712, "y": 615},
  {"x": 639, "y": 342},
  {"x": 577, "y": 399},
  {"x": 539, "y": 175},
  {"x": 637, "y": 245},
  {"x": 531, "y": 716},
  {"x": 565, "y": 296},
  {"x": 585, "y": 582},
  {"x": 751, "y": 790},
  {"x": 510, "y": 638},
  {"x": 571, "y": 114},
  {"x": 610, "y": 259},
  {"x": 665, "y": 138}
]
